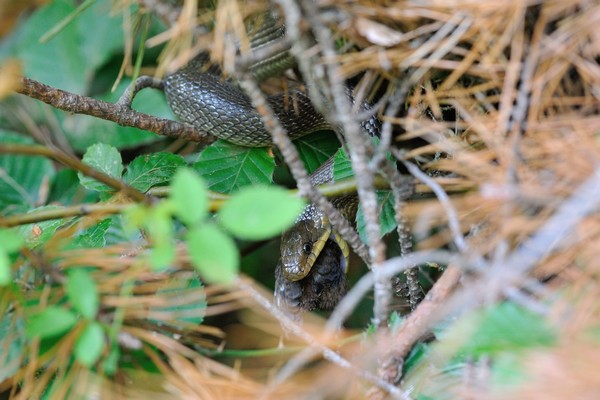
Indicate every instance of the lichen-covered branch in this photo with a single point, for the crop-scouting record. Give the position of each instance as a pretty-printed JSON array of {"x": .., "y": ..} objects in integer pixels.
[{"x": 117, "y": 113}]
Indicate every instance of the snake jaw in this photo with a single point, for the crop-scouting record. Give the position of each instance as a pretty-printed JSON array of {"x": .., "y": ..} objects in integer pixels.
[{"x": 337, "y": 238}]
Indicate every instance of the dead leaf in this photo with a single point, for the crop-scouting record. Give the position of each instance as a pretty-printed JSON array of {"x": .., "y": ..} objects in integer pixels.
[{"x": 377, "y": 33}]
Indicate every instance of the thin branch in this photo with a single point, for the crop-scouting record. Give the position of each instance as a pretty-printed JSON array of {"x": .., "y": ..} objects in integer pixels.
[
  {"x": 63, "y": 212},
  {"x": 359, "y": 146},
  {"x": 76, "y": 164},
  {"x": 348, "y": 304},
  {"x": 292, "y": 159},
  {"x": 327, "y": 353},
  {"x": 402, "y": 188},
  {"x": 216, "y": 201},
  {"x": 443, "y": 198},
  {"x": 121, "y": 115},
  {"x": 415, "y": 326},
  {"x": 388, "y": 269}
]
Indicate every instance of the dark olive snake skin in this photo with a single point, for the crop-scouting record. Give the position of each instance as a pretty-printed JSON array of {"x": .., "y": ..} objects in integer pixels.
[{"x": 201, "y": 97}]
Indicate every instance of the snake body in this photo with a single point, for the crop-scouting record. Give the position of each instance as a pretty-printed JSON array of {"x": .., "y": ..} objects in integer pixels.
[
  {"x": 314, "y": 258},
  {"x": 200, "y": 96}
]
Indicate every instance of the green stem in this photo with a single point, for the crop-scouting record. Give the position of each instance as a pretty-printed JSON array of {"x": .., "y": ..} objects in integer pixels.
[
  {"x": 62, "y": 212},
  {"x": 65, "y": 21},
  {"x": 76, "y": 164},
  {"x": 273, "y": 351}
]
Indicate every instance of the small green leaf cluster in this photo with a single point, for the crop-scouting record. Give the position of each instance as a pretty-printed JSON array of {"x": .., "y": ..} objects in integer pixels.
[
  {"x": 55, "y": 320},
  {"x": 9, "y": 244},
  {"x": 253, "y": 213},
  {"x": 143, "y": 173}
]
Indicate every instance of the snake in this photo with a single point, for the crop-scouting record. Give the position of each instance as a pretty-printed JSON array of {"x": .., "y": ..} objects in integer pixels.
[{"x": 314, "y": 257}]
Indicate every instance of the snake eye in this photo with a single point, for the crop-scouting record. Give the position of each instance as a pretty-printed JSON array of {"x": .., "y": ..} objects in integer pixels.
[{"x": 307, "y": 248}]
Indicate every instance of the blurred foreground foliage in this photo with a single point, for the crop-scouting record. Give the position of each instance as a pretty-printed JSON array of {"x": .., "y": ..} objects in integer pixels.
[{"x": 103, "y": 297}]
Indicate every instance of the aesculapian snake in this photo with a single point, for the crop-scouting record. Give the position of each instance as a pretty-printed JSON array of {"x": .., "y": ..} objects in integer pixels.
[{"x": 314, "y": 258}]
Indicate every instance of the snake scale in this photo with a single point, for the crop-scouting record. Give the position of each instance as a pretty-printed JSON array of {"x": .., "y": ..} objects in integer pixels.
[{"x": 314, "y": 258}]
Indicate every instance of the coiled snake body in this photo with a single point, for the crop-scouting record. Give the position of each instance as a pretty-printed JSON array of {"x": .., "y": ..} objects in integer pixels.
[{"x": 311, "y": 273}]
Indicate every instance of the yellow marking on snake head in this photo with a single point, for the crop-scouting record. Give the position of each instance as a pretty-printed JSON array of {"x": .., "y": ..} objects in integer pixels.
[{"x": 302, "y": 244}]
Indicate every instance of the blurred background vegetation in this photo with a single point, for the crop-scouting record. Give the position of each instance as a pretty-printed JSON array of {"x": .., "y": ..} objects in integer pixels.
[{"x": 502, "y": 114}]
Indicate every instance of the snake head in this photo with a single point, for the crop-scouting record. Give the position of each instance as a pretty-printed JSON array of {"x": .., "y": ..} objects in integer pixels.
[
  {"x": 300, "y": 247},
  {"x": 302, "y": 244}
]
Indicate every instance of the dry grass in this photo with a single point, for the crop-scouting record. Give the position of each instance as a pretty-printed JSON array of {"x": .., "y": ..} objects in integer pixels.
[{"x": 521, "y": 82}]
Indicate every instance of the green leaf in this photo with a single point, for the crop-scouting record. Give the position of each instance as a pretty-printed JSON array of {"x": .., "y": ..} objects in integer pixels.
[
  {"x": 93, "y": 237},
  {"x": 182, "y": 300},
  {"x": 10, "y": 242},
  {"x": 342, "y": 166},
  {"x": 39, "y": 233},
  {"x": 89, "y": 345},
  {"x": 107, "y": 38},
  {"x": 227, "y": 167},
  {"x": 213, "y": 254},
  {"x": 111, "y": 361},
  {"x": 5, "y": 268},
  {"x": 508, "y": 327},
  {"x": 104, "y": 158},
  {"x": 52, "y": 321},
  {"x": 162, "y": 255},
  {"x": 74, "y": 60},
  {"x": 508, "y": 370},
  {"x": 60, "y": 62},
  {"x": 69, "y": 59},
  {"x": 83, "y": 293},
  {"x": 387, "y": 215},
  {"x": 151, "y": 170},
  {"x": 12, "y": 343},
  {"x": 65, "y": 189},
  {"x": 415, "y": 357},
  {"x": 160, "y": 229},
  {"x": 190, "y": 197},
  {"x": 135, "y": 216},
  {"x": 316, "y": 148},
  {"x": 260, "y": 212},
  {"x": 21, "y": 177},
  {"x": 395, "y": 321}
]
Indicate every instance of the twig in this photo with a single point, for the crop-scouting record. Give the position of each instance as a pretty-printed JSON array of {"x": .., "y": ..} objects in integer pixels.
[
  {"x": 292, "y": 159},
  {"x": 453, "y": 220},
  {"x": 121, "y": 115},
  {"x": 401, "y": 190},
  {"x": 347, "y": 305},
  {"x": 360, "y": 147},
  {"x": 62, "y": 212},
  {"x": 415, "y": 292},
  {"x": 77, "y": 165},
  {"x": 328, "y": 353},
  {"x": 415, "y": 326},
  {"x": 548, "y": 238},
  {"x": 217, "y": 199},
  {"x": 388, "y": 269}
]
